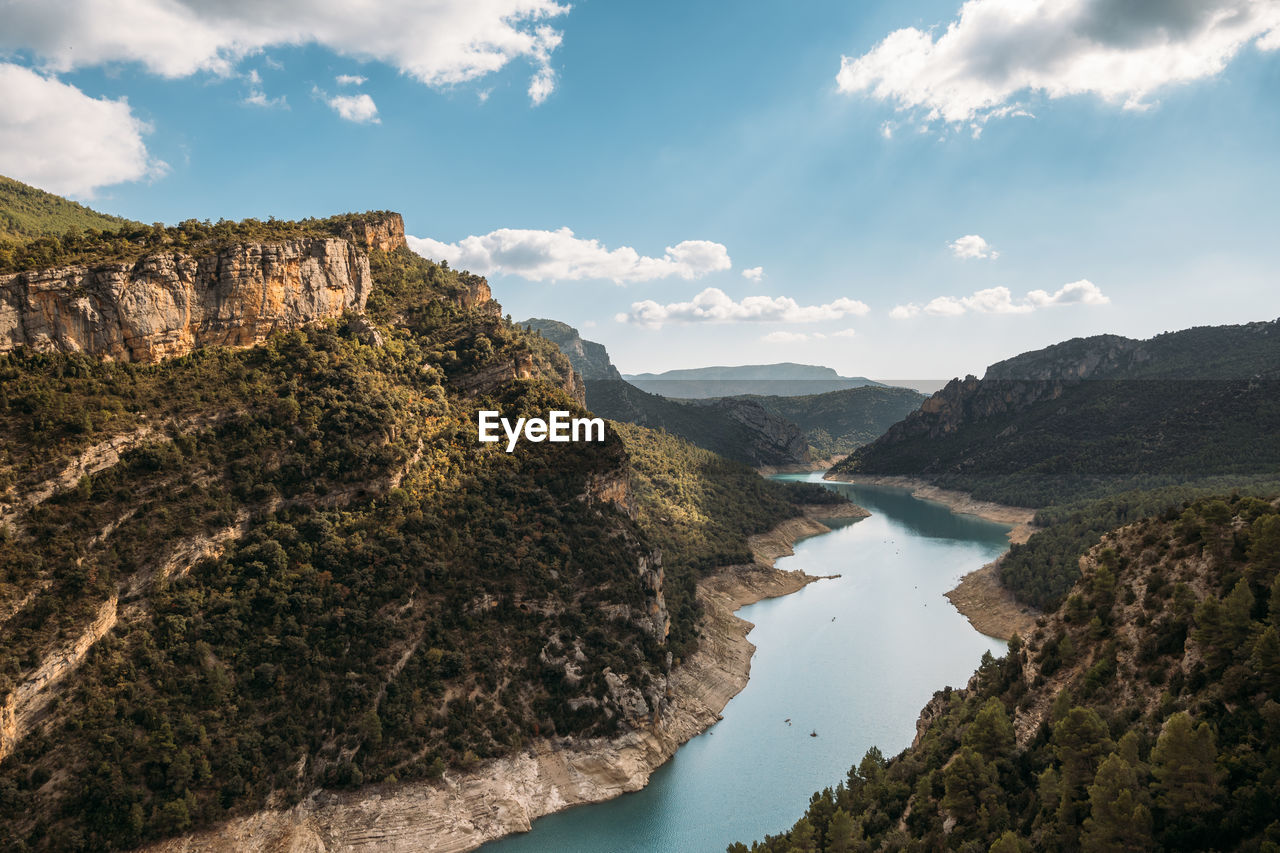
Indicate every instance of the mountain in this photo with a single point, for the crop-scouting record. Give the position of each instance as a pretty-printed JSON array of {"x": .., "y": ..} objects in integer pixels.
[
  {"x": 741, "y": 430},
  {"x": 589, "y": 358},
  {"x": 1094, "y": 416},
  {"x": 785, "y": 380},
  {"x": 1141, "y": 715},
  {"x": 838, "y": 422},
  {"x": 251, "y": 550},
  {"x": 27, "y": 212}
]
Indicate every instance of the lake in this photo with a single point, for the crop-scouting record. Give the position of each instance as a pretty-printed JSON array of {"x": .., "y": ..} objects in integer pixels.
[{"x": 853, "y": 659}]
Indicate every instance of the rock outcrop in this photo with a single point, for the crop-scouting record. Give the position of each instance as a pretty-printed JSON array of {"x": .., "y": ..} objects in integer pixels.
[
  {"x": 168, "y": 303},
  {"x": 21, "y": 707},
  {"x": 589, "y": 359}
]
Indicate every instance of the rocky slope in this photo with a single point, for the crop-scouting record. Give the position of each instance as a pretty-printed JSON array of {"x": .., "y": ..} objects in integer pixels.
[
  {"x": 589, "y": 358},
  {"x": 166, "y": 304}
]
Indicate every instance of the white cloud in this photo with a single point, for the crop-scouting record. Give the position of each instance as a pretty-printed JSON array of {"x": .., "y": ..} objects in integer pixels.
[
  {"x": 999, "y": 50},
  {"x": 972, "y": 246},
  {"x": 715, "y": 306},
  {"x": 998, "y": 300},
  {"x": 1082, "y": 292},
  {"x": 440, "y": 43},
  {"x": 257, "y": 97},
  {"x": 358, "y": 108},
  {"x": 844, "y": 333},
  {"x": 56, "y": 137},
  {"x": 560, "y": 256},
  {"x": 350, "y": 80},
  {"x": 753, "y": 273}
]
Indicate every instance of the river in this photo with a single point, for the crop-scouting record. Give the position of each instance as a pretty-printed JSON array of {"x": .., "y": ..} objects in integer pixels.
[{"x": 853, "y": 659}]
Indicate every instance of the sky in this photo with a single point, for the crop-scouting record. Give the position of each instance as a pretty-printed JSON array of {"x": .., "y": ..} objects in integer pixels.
[{"x": 909, "y": 189}]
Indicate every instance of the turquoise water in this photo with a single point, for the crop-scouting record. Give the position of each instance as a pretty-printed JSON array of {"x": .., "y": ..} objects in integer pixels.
[{"x": 854, "y": 659}]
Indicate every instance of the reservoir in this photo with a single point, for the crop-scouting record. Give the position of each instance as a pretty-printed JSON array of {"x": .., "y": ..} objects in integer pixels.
[{"x": 853, "y": 659}]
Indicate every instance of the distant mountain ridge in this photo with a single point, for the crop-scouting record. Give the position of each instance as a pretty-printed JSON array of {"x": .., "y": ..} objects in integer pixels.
[
  {"x": 784, "y": 379},
  {"x": 743, "y": 431},
  {"x": 1091, "y": 415}
]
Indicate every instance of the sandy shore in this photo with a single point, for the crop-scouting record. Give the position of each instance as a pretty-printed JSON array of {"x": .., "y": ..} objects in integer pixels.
[
  {"x": 988, "y": 606},
  {"x": 504, "y": 796}
]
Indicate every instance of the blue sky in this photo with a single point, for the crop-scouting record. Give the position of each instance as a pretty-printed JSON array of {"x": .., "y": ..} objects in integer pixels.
[{"x": 1111, "y": 165}]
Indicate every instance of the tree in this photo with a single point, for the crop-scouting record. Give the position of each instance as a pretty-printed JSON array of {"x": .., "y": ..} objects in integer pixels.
[
  {"x": 1118, "y": 817},
  {"x": 973, "y": 795},
  {"x": 842, "y": 833},
  {"x": 1080, "y": 739},
  {"x": 1187, "y": 779},
  {"x": 990, "y": 734}
]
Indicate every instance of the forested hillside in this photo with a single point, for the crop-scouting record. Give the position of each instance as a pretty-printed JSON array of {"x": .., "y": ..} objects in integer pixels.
[
  {"x": 1142, "y": 715},
  {"x": 838, "y": 422},
  {"x": 1096, "y": 416},
  {"x": 741, "y": 430},
  {"x": 27, "y": 212},
  {"x": 234, "y": 576}
]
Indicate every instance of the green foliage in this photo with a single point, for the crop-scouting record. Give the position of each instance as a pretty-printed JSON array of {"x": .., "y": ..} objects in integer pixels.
[
  {"x": 110, "y": 240},
  {"x": 699, "y": 508},
  {"x": 27, "y": 212}
]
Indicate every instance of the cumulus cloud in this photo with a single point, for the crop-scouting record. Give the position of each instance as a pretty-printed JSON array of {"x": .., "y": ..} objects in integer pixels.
[
  {"x": 997, "y": 51},
  {"x": 972, "y": 246},
  {"x": 753, "y": 273},
  {"x": 358, "y": 108},
  {"x": 561, "y": 256},
  {"x": 713, "y": 305},
  {"x": 350, "y": 80},
  {"x": 441, "y": 43},
  {"x": 999, "y": 300},
  {"x": 1082, "y": 292},
  {"x": 58, "y": 138}
]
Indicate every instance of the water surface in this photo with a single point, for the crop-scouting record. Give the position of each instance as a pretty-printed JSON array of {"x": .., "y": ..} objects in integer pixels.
[{"x": 853, "y": 659}]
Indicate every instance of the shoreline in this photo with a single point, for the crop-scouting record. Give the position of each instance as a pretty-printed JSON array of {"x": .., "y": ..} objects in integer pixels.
[
  {"x": 979, "y": 596},
  {"x": 504, "y": 797}
]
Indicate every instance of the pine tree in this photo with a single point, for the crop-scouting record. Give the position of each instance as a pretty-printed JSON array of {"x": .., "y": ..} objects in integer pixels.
[
  {"x": 1187, "y": 779},
  {"x": 1118, "y": 817}
]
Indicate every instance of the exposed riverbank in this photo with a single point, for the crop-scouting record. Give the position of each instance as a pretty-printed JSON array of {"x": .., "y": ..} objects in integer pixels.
[
  {"x": 980, "y": 596},
  {"x": 504, "y": 796}
]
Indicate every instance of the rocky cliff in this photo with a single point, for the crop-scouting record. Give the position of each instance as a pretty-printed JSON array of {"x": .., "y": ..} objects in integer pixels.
[
  {"x": 168, "y": 303},
  {"x": 589, "y": 358}
]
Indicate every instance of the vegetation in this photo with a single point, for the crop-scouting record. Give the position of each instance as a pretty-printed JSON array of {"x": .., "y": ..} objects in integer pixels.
[
  {"x": 1143, "y": 715},
  {"x": 27, "y": 212},
  {"x": 839, "y": 422},
  {"x": 122, "y": 241},
  {"x": 323, "y": 578},
  {"x": 699, "y": 508}
]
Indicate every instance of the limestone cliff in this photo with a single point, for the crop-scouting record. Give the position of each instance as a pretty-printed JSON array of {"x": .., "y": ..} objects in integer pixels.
[{"x": 168, "y": 303}]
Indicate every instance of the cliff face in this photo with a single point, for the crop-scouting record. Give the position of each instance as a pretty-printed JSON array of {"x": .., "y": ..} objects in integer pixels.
[{"x": 167, "y": 304}]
